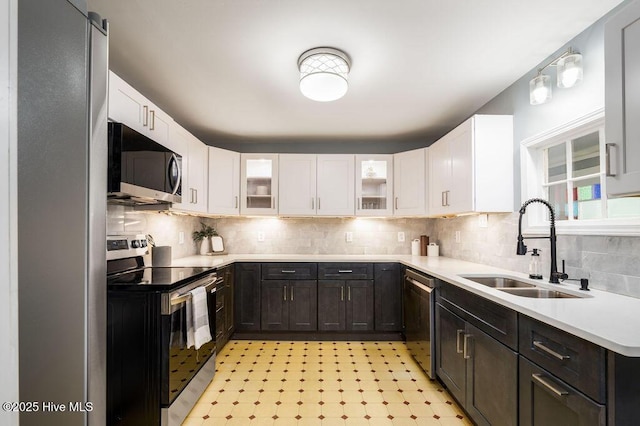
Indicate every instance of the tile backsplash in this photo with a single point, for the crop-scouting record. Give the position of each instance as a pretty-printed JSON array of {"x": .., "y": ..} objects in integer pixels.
[
  {"x": 319, "y": 235},
  {"x": 610, "y": 263}
]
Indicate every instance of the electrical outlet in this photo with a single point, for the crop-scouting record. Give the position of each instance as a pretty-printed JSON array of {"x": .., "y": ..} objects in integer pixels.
[
  {"x": 483, "y": 220},
  {"x": 458, "y": 237},
  {"x": 180, "y": 237},
  {"x": 348, "y": 236},
  {"x": 260, "y": 236},
  {"x": 401, "y": 237}
]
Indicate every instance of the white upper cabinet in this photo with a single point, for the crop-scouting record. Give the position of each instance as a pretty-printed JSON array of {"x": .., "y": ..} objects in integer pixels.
[
  {"x": 409, "y": 183},
  {"x": 130, "y": 107},
  {"x": 471, "y": 168},
  {"x": 374, "y": 185},
  {"x": 622, "y": 101},
  {"x": 297, "y": 185},
  {"x": 224, "y": 182},
  {"x": 259, "y": 184},
  {"x": 336, "y": 186},
  {"x": 194, "y": 170},
  {"x": 320, "y": 185}
]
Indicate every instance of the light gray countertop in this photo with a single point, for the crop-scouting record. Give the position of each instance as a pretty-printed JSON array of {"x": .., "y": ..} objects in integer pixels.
[{"x": 606, "y": 319}]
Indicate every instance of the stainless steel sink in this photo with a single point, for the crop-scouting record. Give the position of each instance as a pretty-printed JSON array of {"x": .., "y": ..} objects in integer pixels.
[
  {"x": 539, "y": 293},
  {"x": 499, "y": 282}
]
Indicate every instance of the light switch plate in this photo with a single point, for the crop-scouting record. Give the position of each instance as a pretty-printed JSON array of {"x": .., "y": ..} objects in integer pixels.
[
  {"x": 180, "y": 237},
  {"x": 483, "y": 220},
  {"x": 401, "y": 237},
  {"x": 348, "y": 236},
  {"x": 260, "y": 236}
]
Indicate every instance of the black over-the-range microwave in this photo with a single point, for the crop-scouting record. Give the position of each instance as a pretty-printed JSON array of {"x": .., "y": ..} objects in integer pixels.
[{"x": 140, "y": 170}]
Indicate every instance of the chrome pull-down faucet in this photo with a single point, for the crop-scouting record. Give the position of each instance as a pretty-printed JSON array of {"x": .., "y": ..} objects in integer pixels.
[{"x": 554, "y": 275}]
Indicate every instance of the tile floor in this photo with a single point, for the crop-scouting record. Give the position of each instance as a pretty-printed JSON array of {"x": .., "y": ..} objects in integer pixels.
[{"x": 322, "y": 383}]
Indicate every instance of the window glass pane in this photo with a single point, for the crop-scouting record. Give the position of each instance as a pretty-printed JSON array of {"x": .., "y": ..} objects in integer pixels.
[
  {"x": 624, "y": 207},
  {"x": 557, "y": 197},
  {"x": 587, "y": 203},
  {"x": 585, "y": 152},
  {"x": 556, "y": 163}
]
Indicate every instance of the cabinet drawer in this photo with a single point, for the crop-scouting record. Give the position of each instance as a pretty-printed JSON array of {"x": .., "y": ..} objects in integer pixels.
[
  {"x": 497, "y": 321},
  {"x": 547, "y": 400},
  {"x": 345, "y": 271},
  {"x": 579, "y": 363},
  {"x": 289, "y": 271}
]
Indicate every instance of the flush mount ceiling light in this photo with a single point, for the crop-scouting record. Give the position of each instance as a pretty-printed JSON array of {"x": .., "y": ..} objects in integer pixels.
[
  {"x": 324, "y": 74},
  {"x": 569, "y": 70}
]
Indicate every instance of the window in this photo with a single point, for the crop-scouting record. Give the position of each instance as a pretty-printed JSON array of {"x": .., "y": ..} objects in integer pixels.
[{"x": 566, "y": 166}]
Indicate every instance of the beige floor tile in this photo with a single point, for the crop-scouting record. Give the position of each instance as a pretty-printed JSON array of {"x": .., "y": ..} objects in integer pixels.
[{"x": 348, "y": 373}]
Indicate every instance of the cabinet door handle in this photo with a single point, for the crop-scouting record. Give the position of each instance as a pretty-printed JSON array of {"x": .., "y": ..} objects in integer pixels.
[
  {"x": 547, "y": 384},
  {"x": 396, "y": 203},
  {"x": 284, "y": 294},
  {"x": 459, "y": 333},
  {"x": 236, "y": 197},
  {"x": 538, "y": 344},
  {"x": 357, "y": 203},
  {"x": 448, "y": 205},
  {"x": 152, "y": 126},
  {"x": 342, "y": 293},
  {"x": 349, "y": 293},
  {"x": 195, "y": 191},
  {"x": 145, "y": 116},
  {"x": 318, "y": 203},
  {"x": 611, "y": 150},
  {"x": 313, "y": 203},
  {"x": 292, "y": 293},
  {"x": 465, "y": 349}
]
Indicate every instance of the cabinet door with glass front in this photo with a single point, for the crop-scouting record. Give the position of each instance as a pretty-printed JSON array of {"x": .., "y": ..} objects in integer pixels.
[
  {"x": 259, "y": 184},
  {"x": 374, "y": 185}
]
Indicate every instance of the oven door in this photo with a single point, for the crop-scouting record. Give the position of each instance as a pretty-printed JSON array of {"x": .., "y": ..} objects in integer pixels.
[{"x": 180, "y": 365}]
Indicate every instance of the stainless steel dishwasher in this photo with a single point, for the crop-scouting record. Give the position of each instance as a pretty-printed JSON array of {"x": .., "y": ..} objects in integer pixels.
[{"x": 419, "y": 303}]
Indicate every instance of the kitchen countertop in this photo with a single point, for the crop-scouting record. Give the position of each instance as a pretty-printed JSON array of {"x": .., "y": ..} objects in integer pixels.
[{"x": 606, "y": 319}]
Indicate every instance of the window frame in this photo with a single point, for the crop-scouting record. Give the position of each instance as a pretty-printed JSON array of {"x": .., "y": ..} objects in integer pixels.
[{"x": 532, "y": 174}]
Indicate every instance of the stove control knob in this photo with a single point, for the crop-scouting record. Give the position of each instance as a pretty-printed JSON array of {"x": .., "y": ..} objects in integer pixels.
[
  {"x": 135, "y": 244},
  {"x": 143, "y": 243}
]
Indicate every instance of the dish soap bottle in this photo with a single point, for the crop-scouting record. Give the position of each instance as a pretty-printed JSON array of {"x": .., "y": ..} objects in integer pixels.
[{"x": 535, "y": 266}]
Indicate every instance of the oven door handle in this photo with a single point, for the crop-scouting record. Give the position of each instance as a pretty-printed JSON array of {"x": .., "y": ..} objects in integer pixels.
[{"x": 209, "y": 286}]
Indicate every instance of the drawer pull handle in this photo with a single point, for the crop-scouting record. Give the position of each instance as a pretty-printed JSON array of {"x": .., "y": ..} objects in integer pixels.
[
  {"x": 459, "y": 341},
  {"x": 538, "y": 344},
  {"x": 344, "y": 271},
  {"x": 538, "y": 378},
  {"x": 287, "y": 271},
  {"x": 465, "y": 348}
]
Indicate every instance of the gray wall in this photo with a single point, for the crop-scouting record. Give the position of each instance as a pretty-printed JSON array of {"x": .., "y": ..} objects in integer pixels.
[{"x": 8, "y": 246}]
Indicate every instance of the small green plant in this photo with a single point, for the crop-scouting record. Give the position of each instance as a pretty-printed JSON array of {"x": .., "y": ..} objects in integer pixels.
[{"x": 205, "y": 231}]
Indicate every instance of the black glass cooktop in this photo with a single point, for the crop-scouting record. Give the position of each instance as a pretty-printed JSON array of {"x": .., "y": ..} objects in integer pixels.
[{"x": 152, "y": 277}]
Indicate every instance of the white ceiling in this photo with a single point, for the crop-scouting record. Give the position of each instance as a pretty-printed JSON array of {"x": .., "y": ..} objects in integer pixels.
[{"x": 227, "y": 69}]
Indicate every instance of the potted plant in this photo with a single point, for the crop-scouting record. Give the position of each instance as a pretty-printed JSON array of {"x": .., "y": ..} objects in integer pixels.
[{"x": 203, "y": 236}]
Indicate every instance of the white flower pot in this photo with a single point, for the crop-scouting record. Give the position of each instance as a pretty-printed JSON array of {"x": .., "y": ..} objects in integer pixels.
[{"x": 205, "y": 246}]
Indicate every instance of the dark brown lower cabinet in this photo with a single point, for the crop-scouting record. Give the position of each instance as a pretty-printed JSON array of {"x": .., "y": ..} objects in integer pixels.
[
  {"x": 546, "y": 400},
  {"x": 387, "y": 284},
  {"x": 480, "y": 372},
  {"x": 246, "y": 296},
  {"x": 345, "y": 305},
  {"x": 289, "y": 305}
]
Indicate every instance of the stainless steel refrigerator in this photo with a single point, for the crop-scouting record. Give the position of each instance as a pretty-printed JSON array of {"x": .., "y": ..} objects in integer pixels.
[{"x": 62, "y": 158}]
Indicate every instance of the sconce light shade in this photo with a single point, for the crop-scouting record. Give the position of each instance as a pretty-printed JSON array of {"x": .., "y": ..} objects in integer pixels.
[
  {"x": 324, "y": 74},
  {"x": 540, "y": 89},
  {"x": 570, "y": 70}
]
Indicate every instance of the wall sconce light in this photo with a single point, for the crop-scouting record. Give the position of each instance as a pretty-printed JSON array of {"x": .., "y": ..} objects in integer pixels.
[
  {"x": 569, "y": 73},
  {"x": 324, "y": 74}
]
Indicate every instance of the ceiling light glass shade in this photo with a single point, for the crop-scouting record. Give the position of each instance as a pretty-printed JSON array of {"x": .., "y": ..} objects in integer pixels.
[
  {"x": 570, "y": 70},
  {"x": 324, "y": 74},
  {"x": 540, "y": 89}
]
